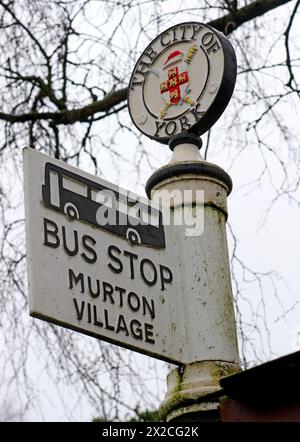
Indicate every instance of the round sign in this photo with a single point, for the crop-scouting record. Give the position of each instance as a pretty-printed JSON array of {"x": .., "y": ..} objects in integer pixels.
[{"x": 183, "y": 81}]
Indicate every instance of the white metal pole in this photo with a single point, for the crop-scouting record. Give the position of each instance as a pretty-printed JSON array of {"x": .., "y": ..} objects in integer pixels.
[{"x": 206, "y": 282}]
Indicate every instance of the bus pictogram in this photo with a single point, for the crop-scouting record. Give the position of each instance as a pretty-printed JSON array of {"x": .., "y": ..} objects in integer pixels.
[{"x": 80, "y": 198}]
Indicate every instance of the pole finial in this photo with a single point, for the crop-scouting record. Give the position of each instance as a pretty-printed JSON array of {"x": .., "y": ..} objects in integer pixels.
[{"x": 185, "y": 138}]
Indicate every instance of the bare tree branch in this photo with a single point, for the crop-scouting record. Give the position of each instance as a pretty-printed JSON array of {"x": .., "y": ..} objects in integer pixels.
[
  {"x": 71, "y": 116},
  {"x": 288, "y": 55},
  {"x": 236, "y": 18},
  {"x": 243, "y": 15}
]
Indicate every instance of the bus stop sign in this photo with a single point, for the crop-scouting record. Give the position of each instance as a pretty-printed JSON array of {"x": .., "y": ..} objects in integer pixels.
[{"x": 100, "y": 260}]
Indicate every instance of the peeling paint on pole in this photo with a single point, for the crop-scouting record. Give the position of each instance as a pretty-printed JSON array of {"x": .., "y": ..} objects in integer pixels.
[
  {"x": 205, "y": 284},
  {"x": 205, "y": 280}
]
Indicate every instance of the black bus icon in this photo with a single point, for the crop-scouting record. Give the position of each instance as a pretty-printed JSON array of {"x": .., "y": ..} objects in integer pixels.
[{"x": 83, "y": 199}]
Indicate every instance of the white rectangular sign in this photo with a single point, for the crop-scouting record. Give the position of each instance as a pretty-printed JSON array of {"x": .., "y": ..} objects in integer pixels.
[{"x": 117, "y": 281}]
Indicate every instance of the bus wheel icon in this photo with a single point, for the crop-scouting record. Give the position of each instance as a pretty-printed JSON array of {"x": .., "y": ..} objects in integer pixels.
[
  {"x": 133, "y": 237},
  {"x": 71, "y": 211}
]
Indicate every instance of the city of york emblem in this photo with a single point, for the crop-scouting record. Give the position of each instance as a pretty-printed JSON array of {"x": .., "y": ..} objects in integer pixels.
[{"x": 183, "y": 81}]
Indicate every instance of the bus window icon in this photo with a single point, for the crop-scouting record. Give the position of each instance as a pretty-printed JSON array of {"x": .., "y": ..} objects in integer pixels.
[{"x": 82, "y": 199}]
